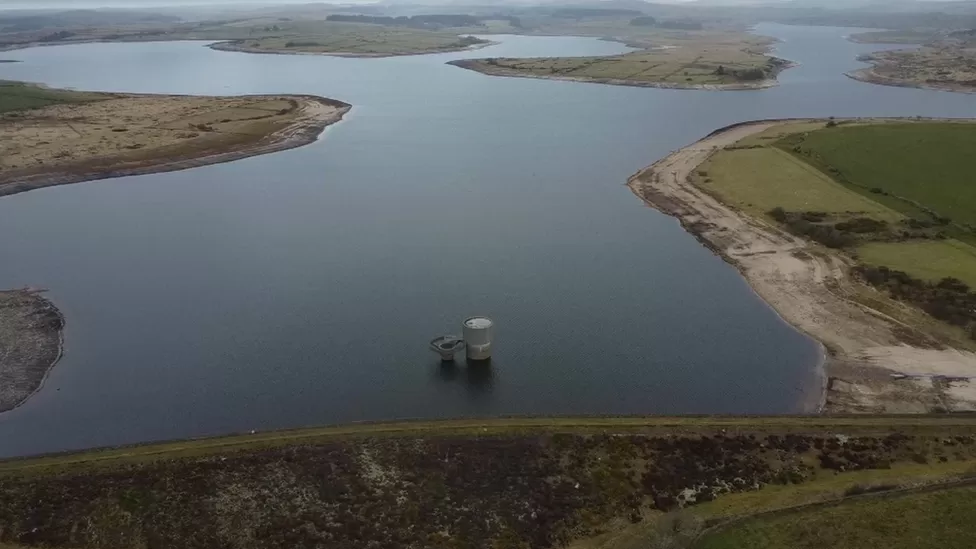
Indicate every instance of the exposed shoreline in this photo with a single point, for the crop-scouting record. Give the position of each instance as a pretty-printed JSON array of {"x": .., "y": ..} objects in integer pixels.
[
  {"x": 870, "y": 76},
  {"x": 32, "y": 337},
  {"x": 237, "y": 46},
  {"x": 316, "y": 114},
  {"x": 802, "y": 282},
  {"x": 477, "y": 65}
]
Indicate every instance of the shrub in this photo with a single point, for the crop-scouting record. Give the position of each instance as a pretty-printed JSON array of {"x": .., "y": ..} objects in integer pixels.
[
  {"x": 858, "y": 489},
  {"x": 949, "y": 300},
  {"x": 751, "y": 74},
  {"x": 301, "y": 44},
  {"x": 778, "y": 213},
  {"x": 862, "y": 225}
]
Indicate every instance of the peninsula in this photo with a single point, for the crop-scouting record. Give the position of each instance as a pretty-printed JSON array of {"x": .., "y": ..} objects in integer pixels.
[{"x": 833, "y": 224}]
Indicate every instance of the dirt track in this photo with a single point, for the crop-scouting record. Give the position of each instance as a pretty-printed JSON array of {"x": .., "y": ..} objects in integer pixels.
[{"x": 805, "y": 284}]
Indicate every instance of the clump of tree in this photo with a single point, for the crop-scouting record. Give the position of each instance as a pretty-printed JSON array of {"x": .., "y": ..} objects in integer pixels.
[
  {"x": 466, "y": 41},
  {"x": 862, "y": 225},
  {"x": 812, "y": 225},
  {"x": 643, "y": 21},
  {"x": 949, "y": 299},
  {"x": 56, "y": 36},
  {"x": 302, "y": 44},
  {"x": 681, "y": 24},
  {"x": 579, "y": 13},
  {"x": 751, "y": 74}
]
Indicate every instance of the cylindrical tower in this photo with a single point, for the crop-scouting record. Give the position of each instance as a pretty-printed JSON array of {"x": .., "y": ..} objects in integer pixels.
[{"x": 477, "y": 337}]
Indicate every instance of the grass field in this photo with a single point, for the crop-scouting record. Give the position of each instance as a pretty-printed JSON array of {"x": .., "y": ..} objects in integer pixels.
[
  {"x": 16, "y": 96},
  {"x": 928, "y": 260},
  {"x": 936, "y": 520},
  {"x": 927, "y": 162},
  {"x": 760, "y": 179},
  {"x": 546, "y": 482},
  {"x": 905, "y": 186}
]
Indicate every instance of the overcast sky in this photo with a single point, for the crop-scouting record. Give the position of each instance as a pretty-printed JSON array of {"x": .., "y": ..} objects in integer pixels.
[{"x": 78, "y": 4}]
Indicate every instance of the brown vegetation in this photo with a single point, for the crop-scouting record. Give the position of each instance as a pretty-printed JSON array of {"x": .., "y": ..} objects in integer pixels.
[
  {"x": 530, "y": 490},
  {"x": 111, "y": 135}
]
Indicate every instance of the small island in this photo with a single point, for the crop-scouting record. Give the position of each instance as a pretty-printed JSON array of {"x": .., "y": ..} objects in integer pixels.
[{"x": 53, "y": 137}]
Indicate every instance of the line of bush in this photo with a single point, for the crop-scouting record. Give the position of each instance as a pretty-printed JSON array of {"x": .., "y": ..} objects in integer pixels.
[{"x": 949, "y": 299}]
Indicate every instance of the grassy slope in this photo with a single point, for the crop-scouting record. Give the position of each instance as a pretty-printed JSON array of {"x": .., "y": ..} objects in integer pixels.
[
  {"x": 928, "y": 260},
  {"x": 915, "y": 424},
  {"x": 937, "y": 520},
  {"x": 18, "y": 96},
  {"x": 758, "y": 180},
  {"x": 339, "y": 484},
  {"x": 928, "y": 162}
]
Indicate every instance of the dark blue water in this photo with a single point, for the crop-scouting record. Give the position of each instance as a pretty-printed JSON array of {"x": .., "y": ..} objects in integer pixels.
[{"x": 301, "y": 287}]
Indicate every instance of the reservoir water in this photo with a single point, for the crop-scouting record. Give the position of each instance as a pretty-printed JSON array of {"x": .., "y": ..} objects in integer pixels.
[{"x": 301, "y": 288}]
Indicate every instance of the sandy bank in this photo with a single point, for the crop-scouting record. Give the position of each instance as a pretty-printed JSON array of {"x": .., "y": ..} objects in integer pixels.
[
  {"x": 478, "y": 65},
  {"x": 871, "y": 76},
  {"x": 807, "y": 285},
  {"x": 30, "y": 344},
  {"x": 123, "y": 135}
]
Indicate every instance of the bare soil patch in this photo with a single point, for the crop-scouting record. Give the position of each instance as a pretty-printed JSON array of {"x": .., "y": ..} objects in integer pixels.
[{"x": 123, "y": 135}]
